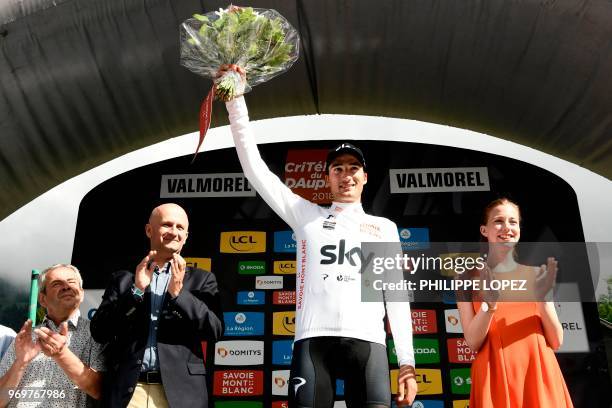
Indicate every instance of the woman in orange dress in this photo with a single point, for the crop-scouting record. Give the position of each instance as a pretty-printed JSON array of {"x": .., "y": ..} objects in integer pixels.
[{"x": 515, "y": 365}]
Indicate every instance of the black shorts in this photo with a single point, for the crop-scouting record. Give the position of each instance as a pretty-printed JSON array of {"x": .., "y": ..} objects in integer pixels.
[{"x": 317, "y": 363}]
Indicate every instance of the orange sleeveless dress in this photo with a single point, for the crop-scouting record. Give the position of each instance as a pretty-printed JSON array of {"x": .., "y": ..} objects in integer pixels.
[{"x": 515, "y": 367}]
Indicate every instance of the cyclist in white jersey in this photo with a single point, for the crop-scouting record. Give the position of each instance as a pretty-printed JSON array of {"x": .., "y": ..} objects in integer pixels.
[{"x": 337, "y": 335}]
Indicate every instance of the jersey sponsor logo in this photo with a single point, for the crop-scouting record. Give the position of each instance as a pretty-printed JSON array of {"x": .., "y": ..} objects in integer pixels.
[
  {"x": 251, "y": 298},
  {"x": 370, "y": 229},
  {"x": 332, "y": 254},
  {"x": 205, "y": 185},
  {"x": 284, "y": 241},
  {"x": 297, "y": 382},
  {"x": 283, "y": 297},
  {"x": 424, "y": 321},
  {"x": 280, "y": 382},
  {"x": 199, "y": 263},
  {"x": 436, "y": 180},
  {"x": 330, "y": 222},
  {"x": 238, "y": 404},
  {"x": 283, "y": 323},
  {"x": 243, "y": 242},
  {"x": 461, "y": 381},
  {"x": 251, "y": 267},
  {"x": 243, "y": 323},
  {"x": 239, "y": 353},
  {"x": 269, "y": 282},
  {"x": 414, "y": 238},
  {"x": 284, "y": 267},
  {"x": 238, "y": 383},
  {"x": 282, "y": 351},
  {"x": 461, "y": 403},
  {"x": 452, "y": 322},
  {"x": 459, "y": 351}
]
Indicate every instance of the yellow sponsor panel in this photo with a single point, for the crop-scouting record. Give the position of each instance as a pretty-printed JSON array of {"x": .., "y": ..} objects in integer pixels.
[
  {"x": 283, "y": 323},
  {"x": 200, "y": 263},
  {"x": 284, "y": 267},
  {"x": 393, "y": 375},
  {"x": 456, "y": 263},
  {"x": 243, "y": 242},
  {"x": 429, "y": 381},
  {"x": 461, "y": 404}
]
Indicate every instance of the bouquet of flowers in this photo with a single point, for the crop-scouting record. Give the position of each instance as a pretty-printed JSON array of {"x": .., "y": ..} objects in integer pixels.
[{"x": 259, "y": 42}]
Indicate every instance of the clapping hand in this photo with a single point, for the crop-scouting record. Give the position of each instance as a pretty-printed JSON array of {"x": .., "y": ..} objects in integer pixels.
[
  {"x": 25, "y": 348},
  {"x": 545, "y": 279},
  {"x": 177, "y": 269},
  {"x": 52, "y": 343},
  {"x": 144, "y": 271}
]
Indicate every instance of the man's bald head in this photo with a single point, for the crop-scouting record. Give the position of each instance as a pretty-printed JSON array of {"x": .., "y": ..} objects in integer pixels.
[{"x": 167, "y": 229}]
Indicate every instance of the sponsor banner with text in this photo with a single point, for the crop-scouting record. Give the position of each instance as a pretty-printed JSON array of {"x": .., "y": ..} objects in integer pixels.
[
  {"x": 284, "y": 241},
  {"x": 461, "y": 380},
  {"x": 243, "y": 323},
  {"x": 459, "y": 351},
  {"x": 242, "y": 242},
  {"x": 199, "y": 263},
  {"x": 283, "y": 323},
  {"x": 253, "y": 297},
  {"x": 252, "y": 267},
  {"x": 437, "y": 180},
  {"x": 305, "y": 175},
  {"x": 414, "y": 238},
  {"x": 238, "y": 383},
  {"x": 282, "y": 351},
  {"x": 205, "y": 185},
  {"x": 283, "y": 297},
  {"x": 269, "y": 282},
  {"x": 284, "y": 267},
  {"x": 452, "y": 321},
  {"x": 429, "y": 381},
  {"x": 239, "y": 352}
]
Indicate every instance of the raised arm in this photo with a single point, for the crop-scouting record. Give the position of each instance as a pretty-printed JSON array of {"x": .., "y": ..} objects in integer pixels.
[{"x": 274, "y": 192}]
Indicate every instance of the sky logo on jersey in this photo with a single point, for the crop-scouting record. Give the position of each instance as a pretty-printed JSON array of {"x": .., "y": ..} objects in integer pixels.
[
  {"x": 461, "y": 403},
  {"x": 269, "y": 282},
  {"x": 244, "y": 323},
  {"x": 461, "y": 381},
  {"x": 284, "y": 267},
  {"x": 281, "y": 352},
  {"x": 424, "y": 321},
  {"x": 238, "y": 383},
  {"x": 243, "y": 242},
  {"x": 199, "y": 263},
  {"x": 283, "y": 323},
  {"x": 414, "y": 238},
  {"x": 252, "y": 267},
  {"x": 331, "y": 254},
  {"x": 451, "y": 319},
  {"x": 280, "y": 382},
  {"x": 238, "y": 404},
  {"x": 284, "y": 241},
  {"x": 251, "y": 297},
  {"x": 459, "y": 351},
  {"x": 283, "y": 297},
  {"x": 236, "y": 353}
]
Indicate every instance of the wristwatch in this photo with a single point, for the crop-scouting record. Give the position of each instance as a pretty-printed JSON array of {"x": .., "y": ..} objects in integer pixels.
[{"x": 485, "y": 307}]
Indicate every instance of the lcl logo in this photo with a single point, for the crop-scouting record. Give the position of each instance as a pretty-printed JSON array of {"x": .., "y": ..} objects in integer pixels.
[{"x": 243, "y": 242}]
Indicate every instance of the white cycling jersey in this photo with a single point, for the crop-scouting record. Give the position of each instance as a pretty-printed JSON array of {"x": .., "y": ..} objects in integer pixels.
[{"x": 328, "y": 284}]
